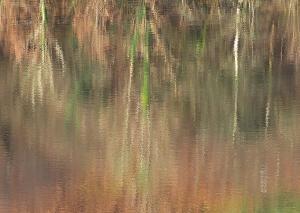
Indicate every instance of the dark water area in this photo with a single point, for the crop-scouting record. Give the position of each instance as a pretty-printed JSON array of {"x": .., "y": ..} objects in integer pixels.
[{"x": 149, "y": 106}]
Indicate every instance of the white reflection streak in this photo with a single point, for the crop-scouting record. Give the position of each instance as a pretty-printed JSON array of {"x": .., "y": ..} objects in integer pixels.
[
  {"x": 126, "y": 128},
  {"x": 236, "y": 44},
  {"x": 236, "y": 71},
  {"x": 263, "y": 180},
  {"x": 60, "y": 55},
  {"x": 268, "y": 107}
]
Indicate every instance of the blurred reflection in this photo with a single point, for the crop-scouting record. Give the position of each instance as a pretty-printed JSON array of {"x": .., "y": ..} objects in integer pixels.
[{"x": 147, "y": 106}]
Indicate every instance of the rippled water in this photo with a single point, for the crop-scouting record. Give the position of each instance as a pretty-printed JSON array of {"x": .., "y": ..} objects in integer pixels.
[{"x": 132, "y": 106}]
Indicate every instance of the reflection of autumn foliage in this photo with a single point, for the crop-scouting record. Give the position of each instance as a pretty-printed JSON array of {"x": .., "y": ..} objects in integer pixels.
[
  {"x": 16, "y": 24},
  {"x": 94, "y": 20},
  {"x": 137, "y": 116},
  {"x": 19, "y": 25},
  {"x": 90, "y": 24}
]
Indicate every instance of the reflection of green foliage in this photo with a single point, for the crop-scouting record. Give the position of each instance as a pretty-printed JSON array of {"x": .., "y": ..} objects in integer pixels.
[
  {"x": 282, "y": 203},
  {"x": 252, "y": 103},
  {"x": 141, "y": 13},
  {"x": 70, "y": 112},
  {"x": 201, "y": 41},
  {"x": 70, "y": 40},
  {"x": 84, "y": 85},
  {"x": 72, "y": 5},
  {"x": 82, "y": 91},
  {"x": 133, "y": 46},
  {"x": 142, "y": 28},
  {"x": 140, "y": 20},
  {"x": 74, "y": 42},
  {"x": 145, "y": 96},
  {"x": 43, "y": 11},
  {"x": 145, "y": 92}
]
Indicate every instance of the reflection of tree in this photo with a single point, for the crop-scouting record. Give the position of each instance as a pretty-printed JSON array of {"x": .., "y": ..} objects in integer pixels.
[{"x": 43, "y": 49}]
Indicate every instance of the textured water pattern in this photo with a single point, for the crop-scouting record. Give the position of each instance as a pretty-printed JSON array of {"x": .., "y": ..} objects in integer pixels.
[{"x": 137, "y": 106}]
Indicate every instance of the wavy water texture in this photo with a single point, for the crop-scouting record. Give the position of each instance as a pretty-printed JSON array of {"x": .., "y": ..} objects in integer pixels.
[{"x": 149, "y": 106}]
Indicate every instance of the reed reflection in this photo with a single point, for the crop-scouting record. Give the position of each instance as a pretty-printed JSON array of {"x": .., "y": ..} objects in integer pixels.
[{"x": 133, "y": 106}]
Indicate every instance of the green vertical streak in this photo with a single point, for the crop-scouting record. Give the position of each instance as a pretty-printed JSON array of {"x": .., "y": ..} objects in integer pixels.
[
  {"x": 140, "y": 14},
  {"x": 133, "y": 46},
  {"x": 144, "y": 170},
  {"x": 70, "y": 112},
  {"x": 145, "y": 92},
  {"x": 43, "y": 12},
  {"x": 201, "y": 42},
  {"x": 145, "y": 97}
]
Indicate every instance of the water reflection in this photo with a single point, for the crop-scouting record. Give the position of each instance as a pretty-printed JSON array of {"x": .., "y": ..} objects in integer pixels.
[{"x": 144, "y": 106}]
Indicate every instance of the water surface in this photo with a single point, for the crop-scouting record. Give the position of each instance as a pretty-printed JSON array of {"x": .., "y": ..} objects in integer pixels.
[{"x": 137, "y": 106}]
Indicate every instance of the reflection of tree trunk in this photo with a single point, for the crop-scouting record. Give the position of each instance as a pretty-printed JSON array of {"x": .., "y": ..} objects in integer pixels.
[
  {"x": 269, "y": 98},
  {"x": 236, "y": 72},
  {"x": 252, "y": 30}
]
